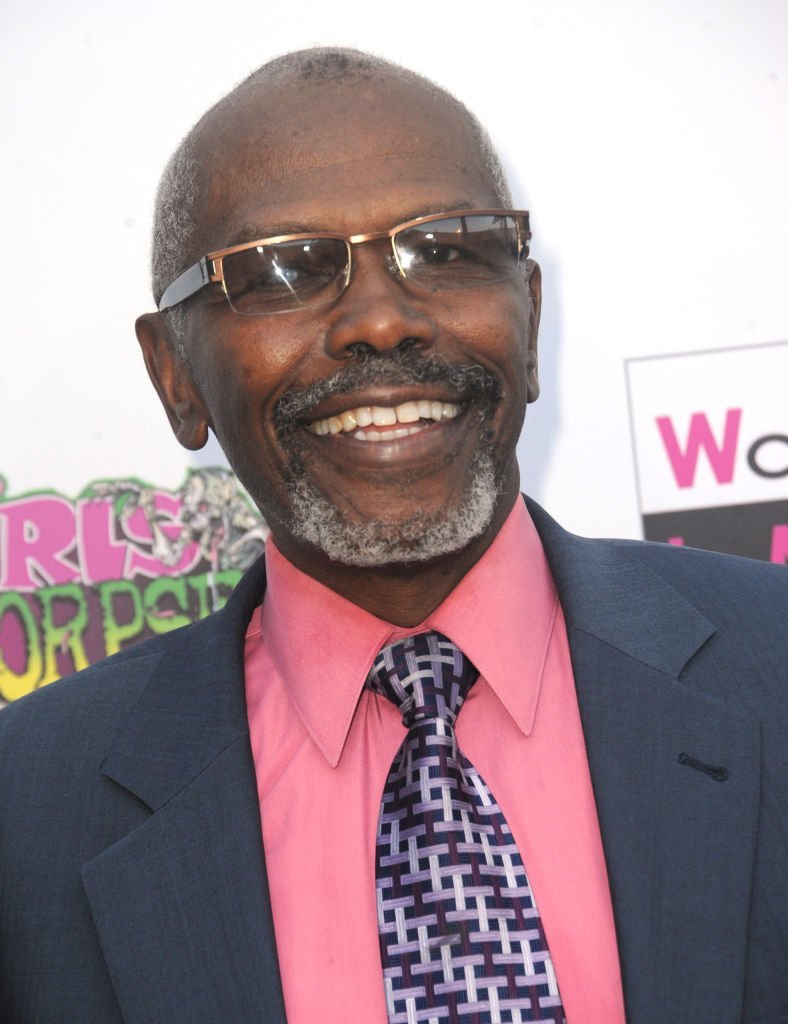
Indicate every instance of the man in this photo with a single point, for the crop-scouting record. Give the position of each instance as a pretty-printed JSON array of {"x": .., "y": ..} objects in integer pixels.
[{"x": 189, "y": 829}]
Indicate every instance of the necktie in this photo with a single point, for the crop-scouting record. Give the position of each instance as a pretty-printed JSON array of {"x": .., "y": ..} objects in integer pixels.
[{"x": 460, "y": 936}]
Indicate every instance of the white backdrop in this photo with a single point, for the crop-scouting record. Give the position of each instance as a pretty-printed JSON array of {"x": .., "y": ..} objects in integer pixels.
[{"x": 649, "y": 138}]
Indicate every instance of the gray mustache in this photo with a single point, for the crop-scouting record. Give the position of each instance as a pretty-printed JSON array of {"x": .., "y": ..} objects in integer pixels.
[{"x": 472, "y": 381}]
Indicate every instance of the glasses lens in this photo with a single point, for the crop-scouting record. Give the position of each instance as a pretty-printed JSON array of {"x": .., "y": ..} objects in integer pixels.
[
  {"x": 460, "y": 252},
  {"x": 285, "y": 276}
]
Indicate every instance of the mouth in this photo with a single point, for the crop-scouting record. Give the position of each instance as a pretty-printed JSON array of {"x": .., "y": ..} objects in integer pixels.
[
  {"x": 401, "y": 413},
  {"x": 376, "y": 423}
]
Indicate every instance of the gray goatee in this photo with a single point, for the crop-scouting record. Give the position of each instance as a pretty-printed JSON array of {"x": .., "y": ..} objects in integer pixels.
[{"x": 417, "y": 537}]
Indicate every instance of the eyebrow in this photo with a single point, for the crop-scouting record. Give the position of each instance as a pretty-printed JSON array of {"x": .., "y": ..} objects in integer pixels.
[{"x": 250, "y": 233}]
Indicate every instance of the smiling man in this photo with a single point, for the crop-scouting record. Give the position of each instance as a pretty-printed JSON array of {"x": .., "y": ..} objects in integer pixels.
[
  {"x": 437, "y": 760},
  {"x": 369, "y": 390}
]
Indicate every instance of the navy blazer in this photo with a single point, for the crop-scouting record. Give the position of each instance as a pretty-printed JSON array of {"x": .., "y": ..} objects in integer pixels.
[{"x": 132, "y": 877}]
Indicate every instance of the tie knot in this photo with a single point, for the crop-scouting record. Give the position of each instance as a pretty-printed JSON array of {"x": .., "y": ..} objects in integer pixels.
[{"x": 426, "y": 676}]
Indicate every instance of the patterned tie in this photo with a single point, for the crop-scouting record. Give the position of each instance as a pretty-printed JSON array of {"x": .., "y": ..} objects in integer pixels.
[{"x": 460, "y": 936}]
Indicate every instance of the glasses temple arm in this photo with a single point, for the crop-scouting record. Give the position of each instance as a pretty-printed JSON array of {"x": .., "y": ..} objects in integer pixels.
[{"x": 183, "y": 287}]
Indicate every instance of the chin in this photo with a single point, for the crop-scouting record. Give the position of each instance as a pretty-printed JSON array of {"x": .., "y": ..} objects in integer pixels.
[{"x": 316, "y": 521}]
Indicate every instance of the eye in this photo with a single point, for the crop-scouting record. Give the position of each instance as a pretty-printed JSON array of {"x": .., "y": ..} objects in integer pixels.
[
  {"x": 268, "y": 281},
  {"x": 434, "y": 252},
  {"x": 447, "y": 256},
  {"x": 429, "y": 254},
  {"x": 460, "y": 251},
  {"x": 288, "y": 273},
  {"x": 284, "y": 274}
]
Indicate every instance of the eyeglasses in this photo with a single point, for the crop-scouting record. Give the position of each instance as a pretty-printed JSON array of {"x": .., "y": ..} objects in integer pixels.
[{"x": 461, "y": 249}]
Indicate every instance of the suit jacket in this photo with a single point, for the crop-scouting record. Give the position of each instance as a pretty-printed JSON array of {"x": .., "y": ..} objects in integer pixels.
[{"x": 132, "y": 876}]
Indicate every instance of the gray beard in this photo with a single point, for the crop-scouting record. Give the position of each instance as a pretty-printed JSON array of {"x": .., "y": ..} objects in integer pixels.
[
  {"x": 315, "y": 520},
  {"x": 416, "y": 538}
]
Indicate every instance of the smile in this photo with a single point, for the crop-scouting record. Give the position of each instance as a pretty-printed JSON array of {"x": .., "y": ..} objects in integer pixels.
[{"x": 362, "y": 422}]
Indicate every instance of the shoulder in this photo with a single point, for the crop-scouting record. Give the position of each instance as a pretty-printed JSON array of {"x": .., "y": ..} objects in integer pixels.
[
  {"x": 749, "y": 598},
  {"x": 109, "y": 676},
  {"x": 724, "y": 584},
  {"x": 744, "y": 599},
  {"x": 74, "y": 717},
  {"x": 713, "y": 578},
  {"x": 87, "y": 706},
  {"x": 716, "y": 622}
]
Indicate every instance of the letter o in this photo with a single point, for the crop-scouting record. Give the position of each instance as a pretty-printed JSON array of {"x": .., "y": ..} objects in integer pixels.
[{"x": 752, "y": 456}]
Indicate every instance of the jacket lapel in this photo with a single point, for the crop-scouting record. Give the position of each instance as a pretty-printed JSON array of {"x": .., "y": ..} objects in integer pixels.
[
  {"x": 676, "y": 780},
  {"x": 181, "y": 904}
]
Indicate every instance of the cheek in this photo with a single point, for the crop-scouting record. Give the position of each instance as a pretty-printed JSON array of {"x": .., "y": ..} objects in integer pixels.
[
  {"x": 507, "y": 352},
  {"x": 497, "y": 334},
  {"x": 245, "y": 378}
]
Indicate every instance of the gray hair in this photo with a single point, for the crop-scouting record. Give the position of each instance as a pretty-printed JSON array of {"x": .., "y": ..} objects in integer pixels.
[{"x": 176, "y": 214}]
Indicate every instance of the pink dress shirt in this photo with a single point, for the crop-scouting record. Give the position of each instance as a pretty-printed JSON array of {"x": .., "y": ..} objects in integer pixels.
[{"x": 323, "y": 745}]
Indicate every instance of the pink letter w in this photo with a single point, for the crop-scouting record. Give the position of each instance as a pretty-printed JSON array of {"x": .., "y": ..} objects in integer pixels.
[{"x": 721, "y": 457}]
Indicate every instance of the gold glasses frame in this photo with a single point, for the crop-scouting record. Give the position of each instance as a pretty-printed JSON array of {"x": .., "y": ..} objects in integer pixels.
[{"x": 210, "y": 269}]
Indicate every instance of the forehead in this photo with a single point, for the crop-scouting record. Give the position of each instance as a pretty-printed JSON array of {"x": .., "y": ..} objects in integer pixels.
[{"x": 344, "y": 156}]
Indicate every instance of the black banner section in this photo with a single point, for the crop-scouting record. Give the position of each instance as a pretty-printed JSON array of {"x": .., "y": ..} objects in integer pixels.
[{"x": 758, "y": 530}]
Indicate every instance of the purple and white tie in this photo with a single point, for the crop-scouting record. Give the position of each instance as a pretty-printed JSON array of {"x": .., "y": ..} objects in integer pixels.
[{"x": 460, "y": 936}]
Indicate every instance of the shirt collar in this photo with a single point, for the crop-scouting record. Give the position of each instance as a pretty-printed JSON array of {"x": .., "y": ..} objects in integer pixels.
[{"x": 501, "y": 614}]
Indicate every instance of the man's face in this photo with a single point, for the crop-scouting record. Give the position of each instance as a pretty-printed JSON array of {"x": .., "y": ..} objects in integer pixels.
[{"x": 455, "y": 368}]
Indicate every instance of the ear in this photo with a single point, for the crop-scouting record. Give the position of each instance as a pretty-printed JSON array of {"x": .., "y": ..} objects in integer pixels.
[
  {"x": 533, "y": 277},
  {"x": 173, "y": 381}
]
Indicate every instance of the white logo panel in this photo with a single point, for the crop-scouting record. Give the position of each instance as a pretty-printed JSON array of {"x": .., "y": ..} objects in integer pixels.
[{"x": 710, "y": 428}]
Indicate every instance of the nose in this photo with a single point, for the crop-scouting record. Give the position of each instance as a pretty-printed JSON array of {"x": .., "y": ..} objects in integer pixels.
[{"x": 376, "y": 312}]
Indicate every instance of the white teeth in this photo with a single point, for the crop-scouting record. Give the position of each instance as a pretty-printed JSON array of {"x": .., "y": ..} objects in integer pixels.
[
  {"x": 388, "y": 435},
  {"x": 408, "y": 412},
  {"x": 383, "y": 416},
  {"x": 356, "y": 421}
]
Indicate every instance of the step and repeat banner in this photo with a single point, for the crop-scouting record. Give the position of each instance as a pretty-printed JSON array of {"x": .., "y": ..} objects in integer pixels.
[
  {"x": 647, "y": 141},
  {"x": 82, "y": 578}
]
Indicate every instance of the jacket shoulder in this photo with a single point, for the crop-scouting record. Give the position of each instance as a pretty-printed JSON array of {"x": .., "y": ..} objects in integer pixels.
[
  {"x": 107, "y": 687},
  {"x": 102, "y": 688},
  {"x": 727, "y": 588},
  {"x": 653, "y": 599}
]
